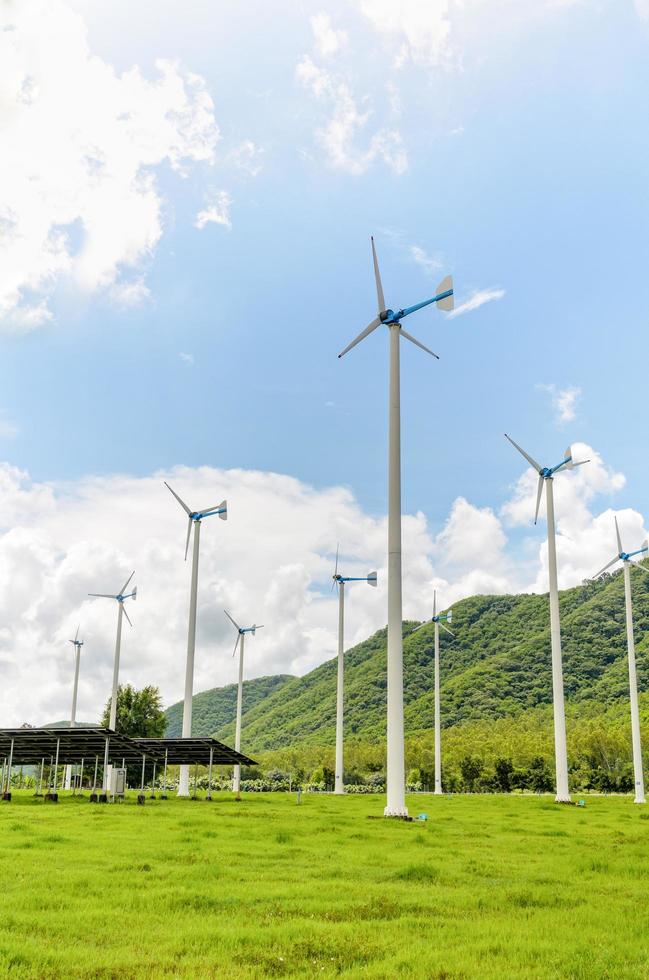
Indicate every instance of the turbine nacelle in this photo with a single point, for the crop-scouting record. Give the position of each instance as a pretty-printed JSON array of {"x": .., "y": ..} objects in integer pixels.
[
  {"x": 443, "y": 298},
  {"x": 196, "y": 516},
  {"x": 626, "y": 557},
  {"x": 120, "y": 596},
  {"x": 241, "y": 630},
  {"x": 546, "y": 472}
]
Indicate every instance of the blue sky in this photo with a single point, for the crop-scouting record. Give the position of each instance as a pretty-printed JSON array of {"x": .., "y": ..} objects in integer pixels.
[{"x": 503, "y": 142}]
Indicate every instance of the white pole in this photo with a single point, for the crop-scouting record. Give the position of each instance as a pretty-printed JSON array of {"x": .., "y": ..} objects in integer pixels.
[
  {"x": 183, "y": 783},
  {"x": 339, "y": 784},
  {"x": 438, "y": 730},
  {"x": 638, "y": 775},
  {"x": 113, "y": 698},
  {"x": 73, "y": 712},
  {"x": 236, "y": 782},
  {"x": 560, "y": 747},
  {"x": 396, "y": 780}
]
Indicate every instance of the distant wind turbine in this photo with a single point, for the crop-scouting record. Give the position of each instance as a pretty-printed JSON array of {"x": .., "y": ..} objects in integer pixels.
[
  {"x": 121, "y": 596},
  {"x": 241, "y": 635},
  {"x": 194, "y": 517},
  {"x": 73, "y": 713},
  {"x": 339, "y": 582},
  {"x": 546, "y": 475},
  {"x": 396, "y": 777},
  {"x": 625, "y": 557},
  {"x": 438, "y": 619}
]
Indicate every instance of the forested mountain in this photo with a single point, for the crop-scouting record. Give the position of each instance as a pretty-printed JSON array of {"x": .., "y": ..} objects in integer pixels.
[
  {"x": 497, "y": 666},
  {"x": 214, "y": 708}
]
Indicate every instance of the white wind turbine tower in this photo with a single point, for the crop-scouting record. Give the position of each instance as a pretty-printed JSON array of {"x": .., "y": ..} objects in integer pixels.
[
  {"x": 546, "y": 475},
  {"x": 339, "y": 581},
  {"x": 73, "y": 713},
  {"x": 438, "y": 619},
  {"x": 121, "y": 596},
  {"x": 625, "y": 557},
  {"x": 194, "y": 518},
  {"x": 396, "y": 777},
  {"x": 241, "y": 635}
]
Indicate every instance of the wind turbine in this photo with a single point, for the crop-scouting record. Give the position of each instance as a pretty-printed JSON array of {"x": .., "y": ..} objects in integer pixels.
[
  {"x": 121, "y": 596},
  {"x": 625, "y": 557},
  {"x": 194, "y": 517},
  {"x": 241, "y": 635},
  {"x": 339, "y": 582},
  {"x": 396, "y": 777},
  {"x": 73, "y": 713},
  {"x": 439, "y": 619},
  {"x": 546, "y": 475}
]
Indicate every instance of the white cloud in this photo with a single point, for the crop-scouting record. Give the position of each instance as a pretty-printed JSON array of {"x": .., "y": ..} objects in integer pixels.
[
  {"x": 247, "y": 157},
  {"x": 79, "y": 199},
  {"x": 427, "y": 262},
  {"x": 420, "y": 28},
  {"x": 187, "y": 359},
  {"x": 564, "y": 402},
  {"x": 127, "y": 294},
  {"x": 642, "y": 9},
  {"x": 346, "y": 123},
  {"x": 271, "y": 562},
  {"x": 216, "y": 211},
  {"x": 328, "y": 41},
  {"x": 477, "y": 299}
]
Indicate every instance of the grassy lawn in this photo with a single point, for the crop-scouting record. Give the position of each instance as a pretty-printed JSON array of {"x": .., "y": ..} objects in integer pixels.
[{"x": 487, "y": 887}]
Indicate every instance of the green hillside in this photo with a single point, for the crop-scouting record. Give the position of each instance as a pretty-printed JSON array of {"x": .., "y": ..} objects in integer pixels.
[
  {"x": 215, "y": 708},
  {"x": 497, "y": 666}
]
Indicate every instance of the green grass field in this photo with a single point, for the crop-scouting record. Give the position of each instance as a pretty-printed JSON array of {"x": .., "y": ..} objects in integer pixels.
[{"x": 488, "y": 887}]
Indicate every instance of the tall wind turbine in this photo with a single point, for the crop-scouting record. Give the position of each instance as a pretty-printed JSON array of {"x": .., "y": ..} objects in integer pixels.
[
  {"x": 625, "y": 557},
  {"x": 73, "y": 713},
  {"x": 339, "y": 581},
  {"x": 546, "y": 475},
  {"x": 194, "y": 518},
  {"x": 439, "y": 619},
  {"x": 396, "y": 776},
  {"x": 121, "y": 596},
  {"x": 241, "y": 635}
]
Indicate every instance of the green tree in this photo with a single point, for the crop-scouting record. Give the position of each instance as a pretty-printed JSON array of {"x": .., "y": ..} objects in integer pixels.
[
  {"x": 139, "y": 713},
  {"x": 471, "y": 769}
]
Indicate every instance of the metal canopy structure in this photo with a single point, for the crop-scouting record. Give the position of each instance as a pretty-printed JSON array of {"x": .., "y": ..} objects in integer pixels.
[
  {"x": 68, "y": 745},
  {"x": 28, "y": 746},
  {"x": 191, "y": 751}
]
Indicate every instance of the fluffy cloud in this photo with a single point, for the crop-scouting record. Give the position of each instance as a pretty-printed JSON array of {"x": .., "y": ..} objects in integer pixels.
[
  {"x": 477, "y": 299},
  {"x": 271, "y": 562},
  {"x": 564, "y": 402},
  {"x": 420, "y": 28},
  {"x": 79, "y": 199},
  {"x": 328, "y": 40},
  {"x": 346, "y": 122},
  {"x": 216, "y": 211}
]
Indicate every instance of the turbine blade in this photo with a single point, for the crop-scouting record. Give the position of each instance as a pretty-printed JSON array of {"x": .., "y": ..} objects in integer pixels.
[
  {"x": 236, "y": 643},
  {"x": 377, "y": 275},
  {"x": 76, "y": 635},
  {"x": 180, "y": 501},
  {"x": 125, "y": 586},
  {"x": 336, "y": 568},
  {"x": 362, "y": 335},
  {"x": 636, "y": 564},
  {"x": 434, "y": 602},
  {"x": 529, "y": 458},
  {"x": 236, "y": 625},
  {"x": 418, "y": 343},
  {"x": 189, "y": 533},
  {"x": 602, "y": 570},
  {"x": 447, "y": 630},
  {"x": 415, "y": 628},
  {"x": 128, "y": 618},
  {"x": 620, "y": 549},
  {"x": 538, "y": 498},
  {"x": 102, "y": 595}
]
